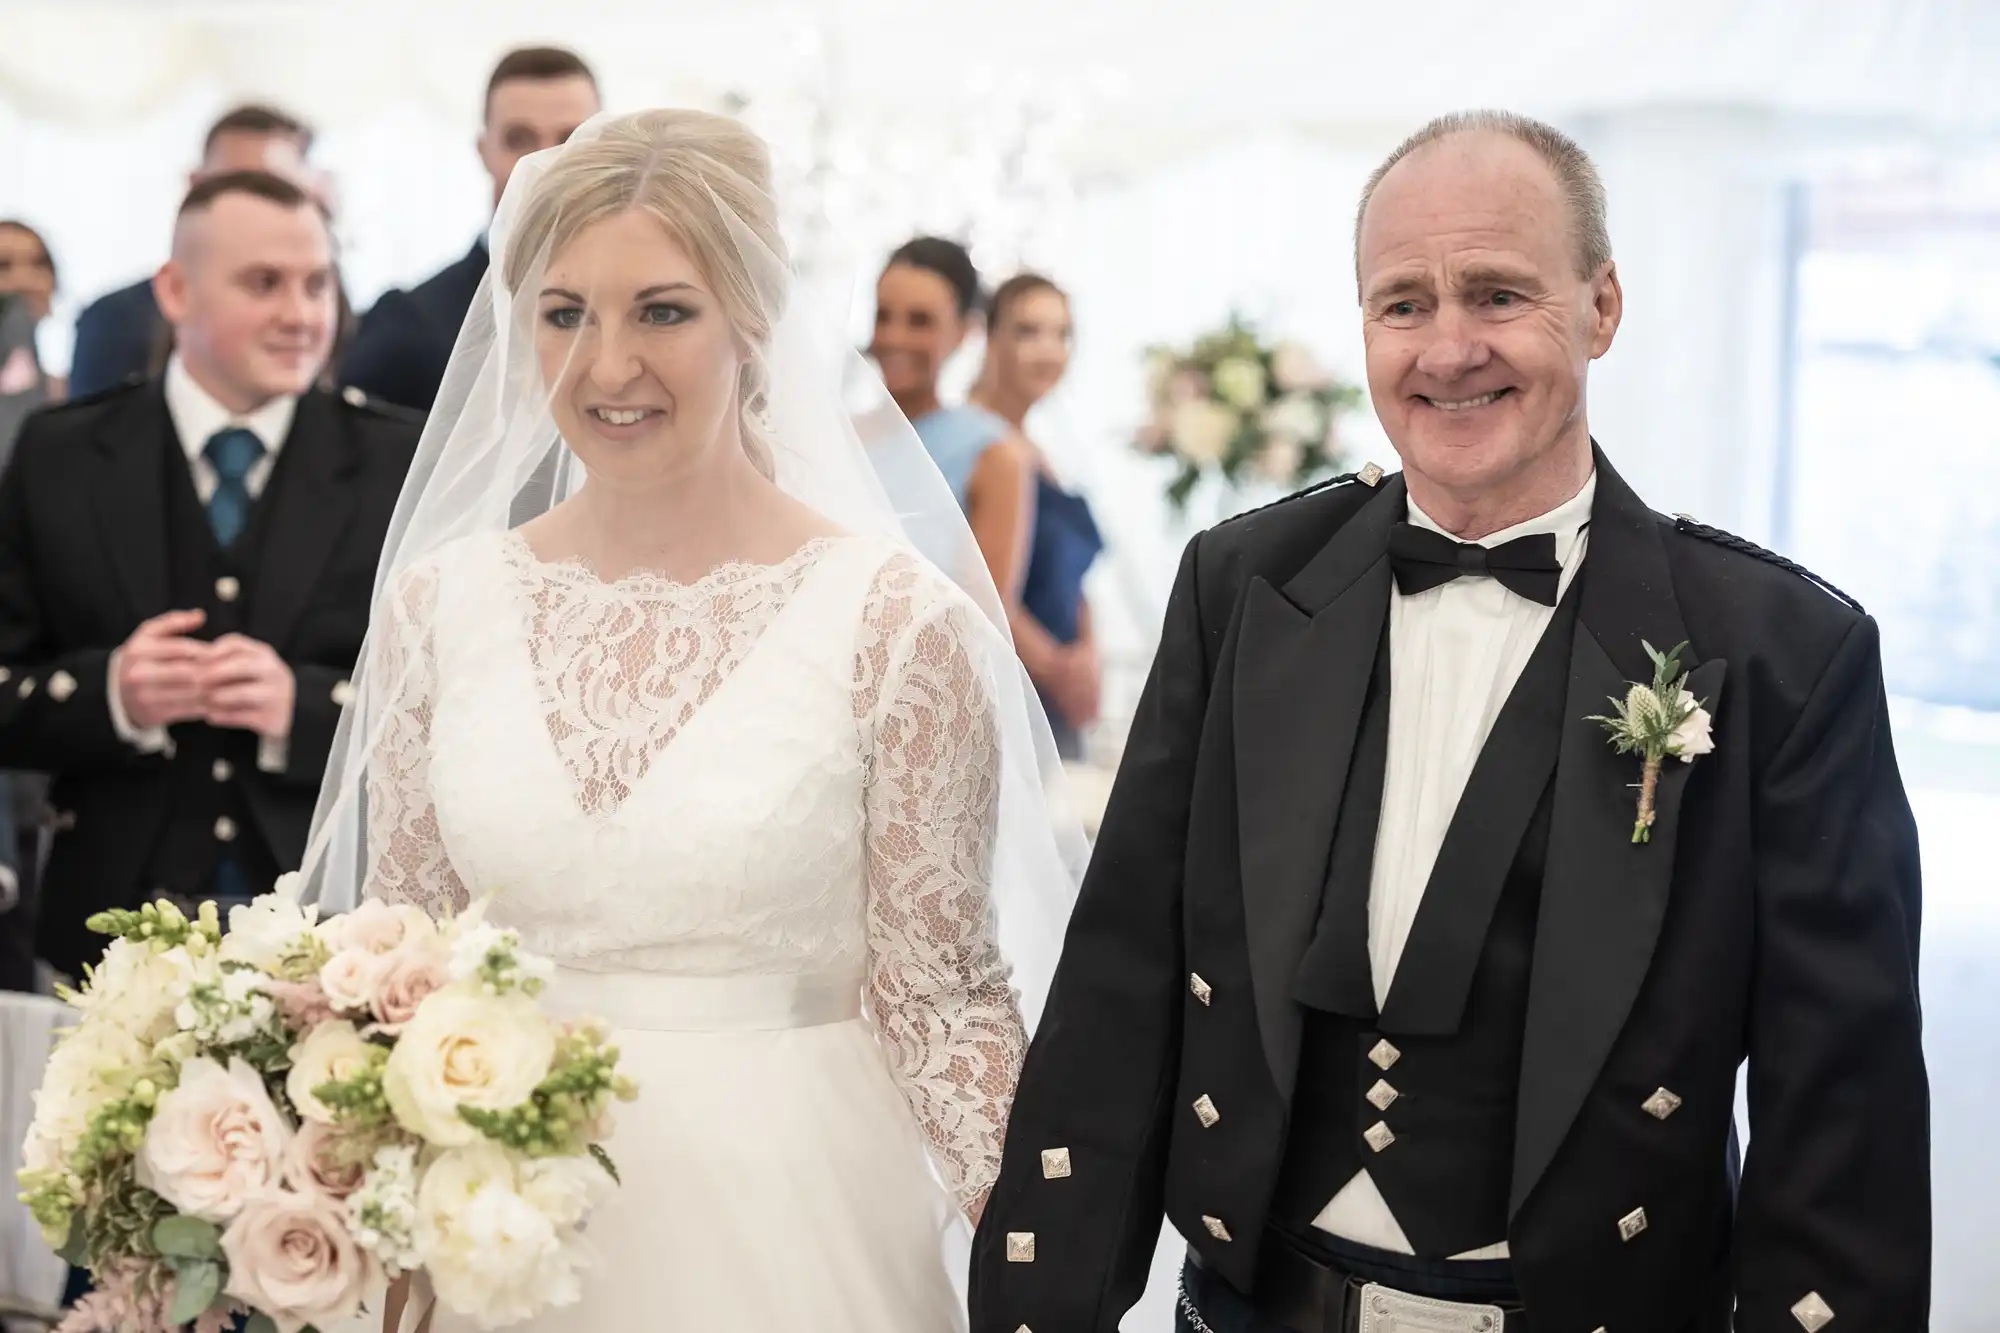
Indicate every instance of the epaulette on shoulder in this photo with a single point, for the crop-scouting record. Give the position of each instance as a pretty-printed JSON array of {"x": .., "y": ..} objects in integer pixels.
[
  {"x": 1683, "y": 523},
  {"x": 381, "y": 407},
  {"x": 1369, "y": 475}
]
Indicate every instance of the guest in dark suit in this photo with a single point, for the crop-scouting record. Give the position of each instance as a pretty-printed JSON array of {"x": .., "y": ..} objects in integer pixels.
[
  {"x": 535, "y": 99},
  {"x": 1375, "y": 987},
  {"x": 121, "y": 335},
  {"x": 186, "y": 566}
]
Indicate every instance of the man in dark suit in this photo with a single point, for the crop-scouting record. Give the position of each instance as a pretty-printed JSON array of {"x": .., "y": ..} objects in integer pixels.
[
  {"x": 1374, "y": 986},
  {"x": 535, "y": 99},
  {"x": 186, "y": 568},
  {"x": 121, "y": 335}
]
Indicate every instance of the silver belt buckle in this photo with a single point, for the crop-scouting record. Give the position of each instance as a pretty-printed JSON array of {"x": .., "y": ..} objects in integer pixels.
[{"x": 1386, "y": 1310}]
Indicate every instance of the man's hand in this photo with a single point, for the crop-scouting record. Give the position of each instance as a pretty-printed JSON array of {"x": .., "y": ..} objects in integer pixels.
[
  {"x": 249, "y": 687},
  {"x": 160, "y": 671}
]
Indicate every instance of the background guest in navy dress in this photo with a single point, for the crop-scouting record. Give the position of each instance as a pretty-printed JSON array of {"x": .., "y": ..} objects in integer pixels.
[{"x": 1027, "y": 352}]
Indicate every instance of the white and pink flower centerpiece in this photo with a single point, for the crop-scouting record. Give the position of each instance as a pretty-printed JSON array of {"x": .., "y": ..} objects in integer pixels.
[{"x": 278, "y": 1121}]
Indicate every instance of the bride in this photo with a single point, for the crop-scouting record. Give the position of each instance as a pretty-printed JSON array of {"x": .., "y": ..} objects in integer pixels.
[{"x": 654, "y": 665}]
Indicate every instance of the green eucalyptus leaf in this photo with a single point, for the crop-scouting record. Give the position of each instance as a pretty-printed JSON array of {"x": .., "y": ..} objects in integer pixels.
[
  {"x": 181, "y": 1237},
  {"x": 195, "y": 1288},
  {"x": 74, "y": 1248},
  {"x": 261, "y": 1323}
]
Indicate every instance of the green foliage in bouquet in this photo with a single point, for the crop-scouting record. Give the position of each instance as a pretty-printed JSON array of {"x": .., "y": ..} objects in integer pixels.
[
  {"x": 1240, "y": 408},
  {"x": 557, "y": 1120}
]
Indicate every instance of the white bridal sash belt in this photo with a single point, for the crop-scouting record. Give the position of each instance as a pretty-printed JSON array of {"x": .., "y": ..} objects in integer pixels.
[{"x": 669, "y": 1002}]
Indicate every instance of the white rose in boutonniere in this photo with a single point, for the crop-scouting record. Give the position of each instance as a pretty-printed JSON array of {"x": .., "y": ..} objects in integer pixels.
[{"x": 1655, "y": 721}]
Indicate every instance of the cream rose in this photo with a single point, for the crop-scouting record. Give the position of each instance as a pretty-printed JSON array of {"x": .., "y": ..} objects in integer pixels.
[
  {"x": 409, "y": 975},
  {"x": 331, "y": 1053},
  {"x": 314, "y": 1163},
  {"x": 464, "y": 1048},
  {"x": 291, "y": 1256},
  {"x": 1202, "y": 430},
  {"x": 1239, "y": 381},
  {"x": 214, "y": 1141},
  {"x": 349, "y": 979},
  {"x": 1280, "y": 460}
]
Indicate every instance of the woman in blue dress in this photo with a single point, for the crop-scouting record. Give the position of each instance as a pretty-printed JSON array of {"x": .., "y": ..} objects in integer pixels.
[
  {"x": 927, "y": 301},
  {"x": 1027, "y": 352}
]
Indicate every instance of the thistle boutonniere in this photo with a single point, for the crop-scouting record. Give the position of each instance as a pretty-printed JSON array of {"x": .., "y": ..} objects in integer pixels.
[{"x": 1656, "y": 721}]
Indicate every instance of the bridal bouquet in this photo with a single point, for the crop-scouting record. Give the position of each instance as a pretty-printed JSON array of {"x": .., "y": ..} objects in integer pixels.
[
  {"x": 1233, "y": 406},
  {"x": 276, "y": 1121}
]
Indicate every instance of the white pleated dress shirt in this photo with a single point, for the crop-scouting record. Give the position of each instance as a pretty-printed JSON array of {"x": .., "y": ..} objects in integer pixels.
[{"x": 1455, "y": 654}]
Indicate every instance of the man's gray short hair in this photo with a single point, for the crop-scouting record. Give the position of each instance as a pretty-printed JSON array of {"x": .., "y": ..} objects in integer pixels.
[{"x": 1576, "y": 176}]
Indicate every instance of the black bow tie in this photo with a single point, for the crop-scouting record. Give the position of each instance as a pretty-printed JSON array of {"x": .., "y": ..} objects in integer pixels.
[{"x": 1423, "y": 559}]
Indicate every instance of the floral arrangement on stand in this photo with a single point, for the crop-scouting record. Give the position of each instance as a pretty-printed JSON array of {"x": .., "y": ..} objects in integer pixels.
[
  {"x": 1234, "y": 407},
  {"x": 278, "y": 1121}
]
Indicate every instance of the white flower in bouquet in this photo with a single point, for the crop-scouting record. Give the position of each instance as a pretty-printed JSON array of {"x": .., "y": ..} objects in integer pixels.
[
  {"x": 1280, "y": 459},
  {"x": 489, "y": 955},
  {"x": 214, "y": 1142},
  {"x": 1297, "y": 417},
  {"x": 331, "y": 1053},
  {"x": 493, "y": 1255},
  {"x": 1295, "y": 369},
  {"x": 564, "y": 1189},
  {"x": 1160, "y": 367},
  {"x": 291, "y": 1256},
  {"x": 91, "y": 1066},
  {"x": 1239, "y": 381},
  {"x": 227, "y": 1006},
  {"x": 383, "y": 1212},
  {"x": 137, "y": 987},
  {"x": 1202, "y": 431},
  {"x": 466, "y": 1048},
  {"x": 270, "y": 927}
]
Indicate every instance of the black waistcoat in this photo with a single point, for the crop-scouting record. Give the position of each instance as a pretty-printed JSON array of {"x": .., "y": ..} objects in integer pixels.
[
  {"x": 206, "y": 807},
  {"x": 1422, "y": 1093}
]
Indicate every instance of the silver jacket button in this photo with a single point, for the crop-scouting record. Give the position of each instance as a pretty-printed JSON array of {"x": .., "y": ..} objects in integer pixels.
[
  {"x": 1813, "y": 1313},
  {"x": 1630, "y": 1225},
  {"x": 228, "y": 588},
  {"x": 1020, "y": 1247},
  {"x": 225, "y": 829},
  {"x": 221, "y": 770},
  {"x": 1055, "y": 1164},
  {"x": 1661, "y": 1104}
]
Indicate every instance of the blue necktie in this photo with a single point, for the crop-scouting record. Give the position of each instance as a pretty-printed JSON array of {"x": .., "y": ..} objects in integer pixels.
[{"x": 232, "y": 453}]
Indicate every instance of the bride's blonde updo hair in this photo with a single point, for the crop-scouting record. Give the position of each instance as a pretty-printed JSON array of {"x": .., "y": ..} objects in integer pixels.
[{"x": 707, "y": 180}]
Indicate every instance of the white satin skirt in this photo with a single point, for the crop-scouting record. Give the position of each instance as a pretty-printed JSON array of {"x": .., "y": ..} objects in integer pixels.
[{"x": 774, "y": 1179}]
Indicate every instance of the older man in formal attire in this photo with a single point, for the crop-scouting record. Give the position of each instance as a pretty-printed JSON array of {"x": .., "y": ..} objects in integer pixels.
[
  {"x": 186, "y": 566},
  {"x": 1413, "y": 1000},
  {"x": 121, "y": 335},
  {"x": 535, "y": 99}
]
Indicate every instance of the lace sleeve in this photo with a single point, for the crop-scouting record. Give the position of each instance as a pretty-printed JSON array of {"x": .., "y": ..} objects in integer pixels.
[
  {"x": 937, "y": 984},
  {"x": 407, "y": 859}
]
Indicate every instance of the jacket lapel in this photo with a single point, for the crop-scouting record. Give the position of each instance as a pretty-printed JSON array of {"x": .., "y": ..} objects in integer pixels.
[
  {"x": 311, "y": 497},
  {"x": 1604, "y": 898},
  {"x": 133, "y": 447},
  {"x": 1303, "y": 661}
]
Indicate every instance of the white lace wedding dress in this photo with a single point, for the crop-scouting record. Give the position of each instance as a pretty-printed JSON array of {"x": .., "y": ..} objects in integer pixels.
[{"x": 751, "y": 819}]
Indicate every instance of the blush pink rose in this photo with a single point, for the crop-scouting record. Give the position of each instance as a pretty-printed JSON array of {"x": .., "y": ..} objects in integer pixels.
[
  {"x": 314, "y": 1163},
  {"x": 409, "y": 975},
  {"x": 292, "y": 1257},
  {"x": 214, "y": 1142},
  {"x": 349, "y": 979}
]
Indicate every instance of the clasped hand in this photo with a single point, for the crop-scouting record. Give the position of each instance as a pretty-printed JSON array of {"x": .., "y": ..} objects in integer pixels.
[{"x": 166, "y": 677}]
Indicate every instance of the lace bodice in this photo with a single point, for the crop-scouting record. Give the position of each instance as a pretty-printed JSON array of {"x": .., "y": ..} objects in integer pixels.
[{"x": 779, "y": 768}]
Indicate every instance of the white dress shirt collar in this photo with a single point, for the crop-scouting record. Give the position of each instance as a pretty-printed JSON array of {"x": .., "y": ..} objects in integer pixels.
[{"x": 197, "y": 416}]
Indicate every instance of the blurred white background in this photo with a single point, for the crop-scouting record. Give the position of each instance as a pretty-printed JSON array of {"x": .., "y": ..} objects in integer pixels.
[{"x": 1805, "y": 205}]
